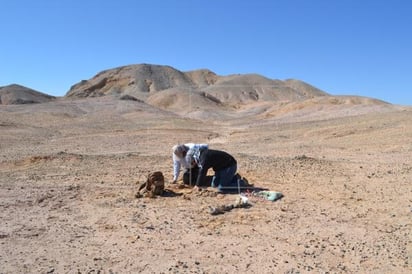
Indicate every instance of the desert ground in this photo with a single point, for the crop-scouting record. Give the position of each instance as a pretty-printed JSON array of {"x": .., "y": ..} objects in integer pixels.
[{"x": 69, "y": 171}]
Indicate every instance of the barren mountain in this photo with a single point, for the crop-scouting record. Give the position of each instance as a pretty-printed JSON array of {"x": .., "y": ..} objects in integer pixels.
[
  {"x": 201, "y": 94},
  {"x": 16, "y": 94},
  {"x": 144, "y": 81}
]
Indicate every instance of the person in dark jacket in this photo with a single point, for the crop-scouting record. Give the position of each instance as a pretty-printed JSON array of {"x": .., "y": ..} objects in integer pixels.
[{"x": 223, "y": 164}]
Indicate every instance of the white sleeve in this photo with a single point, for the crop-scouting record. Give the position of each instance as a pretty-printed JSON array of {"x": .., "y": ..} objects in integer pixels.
[{"x": 176, "y": 167}]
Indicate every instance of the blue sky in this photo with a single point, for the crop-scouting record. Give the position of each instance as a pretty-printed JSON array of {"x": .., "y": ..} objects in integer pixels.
[{"x": 344, "y": 47}]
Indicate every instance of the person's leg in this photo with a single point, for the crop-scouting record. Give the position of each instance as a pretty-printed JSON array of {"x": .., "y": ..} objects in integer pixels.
[
  {"x": 186, "y": 177},
  {"x": 225, "y": 178},
  {"x": 190, "y": 176},
  {"x": 194, "y": 172},
  {"x": 215, "y": 180}
]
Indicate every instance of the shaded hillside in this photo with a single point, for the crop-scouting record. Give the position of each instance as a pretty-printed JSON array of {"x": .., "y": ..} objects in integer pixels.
[
  {"x": 161, "y": 85},
  {"x": 318, "y": 108},
  {"x": 247, "y": 88},
  {"x": 16, "y": 94}
]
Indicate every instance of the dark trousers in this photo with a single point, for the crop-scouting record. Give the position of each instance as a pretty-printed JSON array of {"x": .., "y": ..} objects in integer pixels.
[
  {"x": 190, "y": 176},
  {"x": 225, "y": 178}
]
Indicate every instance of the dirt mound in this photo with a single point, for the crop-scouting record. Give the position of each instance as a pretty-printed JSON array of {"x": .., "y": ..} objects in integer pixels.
[
  {"x": 16, "y": 94},
  {"x": 186, "y": 101},
  {"x": 324, "y": 107}
]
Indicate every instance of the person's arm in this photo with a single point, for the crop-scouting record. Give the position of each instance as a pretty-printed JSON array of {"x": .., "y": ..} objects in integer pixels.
[
  {"x": 200, "y": 177},
  {"x": 203, "y": 167},
  {"x": 176, "y": 168},
  {"x": 185, "y": 162}
]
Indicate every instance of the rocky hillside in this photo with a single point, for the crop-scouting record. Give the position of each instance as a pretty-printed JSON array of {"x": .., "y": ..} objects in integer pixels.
[
  {"x": 163, "y": 85},
  {"x": 16, "y": 94}
]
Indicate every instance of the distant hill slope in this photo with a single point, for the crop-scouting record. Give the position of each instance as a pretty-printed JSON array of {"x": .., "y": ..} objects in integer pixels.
[
  {"x": 16, "y": 94},
  {"x": 167, "y": 87}
]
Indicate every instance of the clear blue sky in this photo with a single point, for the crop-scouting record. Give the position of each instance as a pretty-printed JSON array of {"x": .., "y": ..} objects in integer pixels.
[{"x": 355, "y": 47}]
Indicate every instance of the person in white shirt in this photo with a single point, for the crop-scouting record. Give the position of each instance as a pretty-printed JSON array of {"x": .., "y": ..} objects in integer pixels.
[{"x": 180, "y": 160}]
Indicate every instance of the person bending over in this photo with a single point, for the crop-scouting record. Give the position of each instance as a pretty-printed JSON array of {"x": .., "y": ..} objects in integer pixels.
[
  {"x": 179, "y": 161},
  {"x": 224, "y": 166}
]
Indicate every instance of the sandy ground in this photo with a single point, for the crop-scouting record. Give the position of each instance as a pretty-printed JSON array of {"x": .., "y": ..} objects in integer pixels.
[{"x": 68, "y": 174}]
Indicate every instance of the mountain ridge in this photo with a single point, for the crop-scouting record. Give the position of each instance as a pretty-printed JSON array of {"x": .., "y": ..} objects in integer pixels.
[
  {"x": 142, "y": 80},
  {"x": 200, "y": 93}
]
